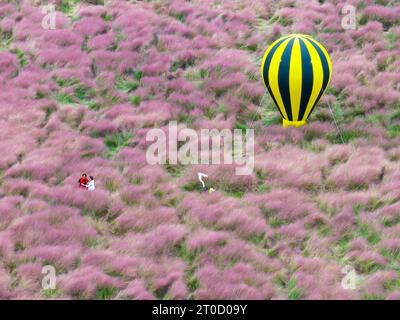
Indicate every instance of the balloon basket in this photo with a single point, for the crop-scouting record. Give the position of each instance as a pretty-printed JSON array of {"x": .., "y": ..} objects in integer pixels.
[{"x": 287, "y": 123}]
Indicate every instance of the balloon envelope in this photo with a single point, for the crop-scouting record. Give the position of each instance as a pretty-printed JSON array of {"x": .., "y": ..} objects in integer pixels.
[{"x": 296, "y": 70}]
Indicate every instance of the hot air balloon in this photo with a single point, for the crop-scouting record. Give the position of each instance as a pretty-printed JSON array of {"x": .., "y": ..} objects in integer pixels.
[{"x": 296, "y": 70}]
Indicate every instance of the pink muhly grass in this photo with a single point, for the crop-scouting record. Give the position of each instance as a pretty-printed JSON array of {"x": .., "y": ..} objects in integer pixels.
[
  {"x": 160, "y": 239},
  {"x": 360, "y": 170},
  {"x": 376, "y": 284},
  {"x": 293, "y": 232},
  {"x": 141, "y": 219},
  {"x": 6, "y": 245},
  {"x": 275, "y": 203},
  {"x": 62, "y": 256},
  {"x": 395, "y": 295},
  {"x": 293, "y": 167},
  {"x": 5, "y": 285},
  {"x": 8, "y": 64},
  {"x": 59, "y": 226},
  {"x": 90, "y": 26},
  {"x": 9, "y": 212},
  {"x": 237, "y": 283},
  {"x": 348, "y": 198},
  {"x": 203, "y": 239},
  {"x": 102, "y": 41},
  {"x": 132, "y": 194},
  {"x": 31, "y": 273},
  {"x": 343, "y": 222},
  {"x": 62, "y": 38},
  {"x": 337, "y": 153},
  {"x": 136, "y": 290},
  {"x": 101, "y": 127},
  {"x": 390, "y": 14},
  {"x": 85, "y": 281}
]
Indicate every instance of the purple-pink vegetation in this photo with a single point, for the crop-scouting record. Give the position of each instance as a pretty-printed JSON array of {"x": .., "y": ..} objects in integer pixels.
[
  {"x": 343, "y": 222},
  {"x": 86, "y": 281},
  {"x": 57, "y": 226},
  {"x": 8, "y": 64},
  {"x": 389, "y": 14},
  {"x": 240, "y": 282},
  {"x": 9, "y": 212},
  {"x": 377, "y": 284},
  {"x": 226, "y": 214},
  {"x": 348, "y": 198},
  {"x": 5, "y": 284},
  {"x": 160, "y": 239},
  {"x": 292, "y": 167},
  {"x": 275, "y": 203},
  {"x": 203, "y": 239},
  {"x": 136, "y": 290},
  {"x": 62, "y": 256},
  {"x": 142, "y": 219}
]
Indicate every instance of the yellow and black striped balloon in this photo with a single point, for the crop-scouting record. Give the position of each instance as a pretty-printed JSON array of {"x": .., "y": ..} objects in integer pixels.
[{"x": 296, "y": 69}]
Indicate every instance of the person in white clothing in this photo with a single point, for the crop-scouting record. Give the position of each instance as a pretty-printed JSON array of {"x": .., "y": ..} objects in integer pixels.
[{"x": 90, "y": 185}]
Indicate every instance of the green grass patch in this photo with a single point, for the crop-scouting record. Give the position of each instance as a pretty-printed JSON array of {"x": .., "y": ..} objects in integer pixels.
[
  {"x": 111, "y": 185},
  {"x": 390, "y": 222},
  {"x": 182, "y": 251},
  {"x": 66, "y": 82},
  {"x": 342, "y": 245},
  {"x": 126, "y": 85},
  {"x": 373, "y": 297},
  {"x": 5, "y": 40},
  {"x": 276, "y": 222},
  {"x": 175, "y": 170},
  {"x": 179, "y": 16},
  {"x": 294, "y": 293},
  {"x": 50, "y": 293},
  {"x": 193, "y": 186},
  {"x": 135, "y": 100},
  {"x": 158, "y": 193},
  {"x": 182, "y": 64},
  {"x": 368, "y": 233},
  {"x": 394, "y": 130},
  {"x": 106, "y": 293},
  {"x": 117, "y": 141},
  {"x": 83, "y": 93},
  {"x": 209, "y": 112},
  {"x": 347, "y": 136},
  {"x": 393, "y": 254},
  {"x": 21, "y": 57},
  {"x": 92, "y": 242},
  {"x": 106, "y": 17},
  {"x": 64, "y": 98},
  {"x": 367, "y": 266}
]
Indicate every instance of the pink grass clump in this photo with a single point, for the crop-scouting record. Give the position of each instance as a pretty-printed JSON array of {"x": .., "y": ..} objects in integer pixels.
[
  {"x": 360, "y": 170},
  {"x": 241, "y": 282},
  {"x": 284, "y": 167},
  {"x": 143, "y": 219},
  {"x": 86, "y": 281},
  {"x": 136, "y": 290}
]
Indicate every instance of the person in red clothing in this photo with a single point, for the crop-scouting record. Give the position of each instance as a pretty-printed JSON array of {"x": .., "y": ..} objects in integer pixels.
[{"x": 83, "y": 181}]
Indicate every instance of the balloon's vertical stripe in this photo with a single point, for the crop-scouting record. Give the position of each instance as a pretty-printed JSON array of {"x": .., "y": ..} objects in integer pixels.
[
  {"x": 267, "y": 58},
  {"x": 307, "y": 79},
  {"x": 295, "y": 79},
  {"x": 283, "y": 79},
  {"x": 326, "y": 55},
  {"x": 317, "y": 83},
  {"x": 325, "y": 69},
  {"x": 265, "y": 66},
  {"x": 273, "y": 78}
]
